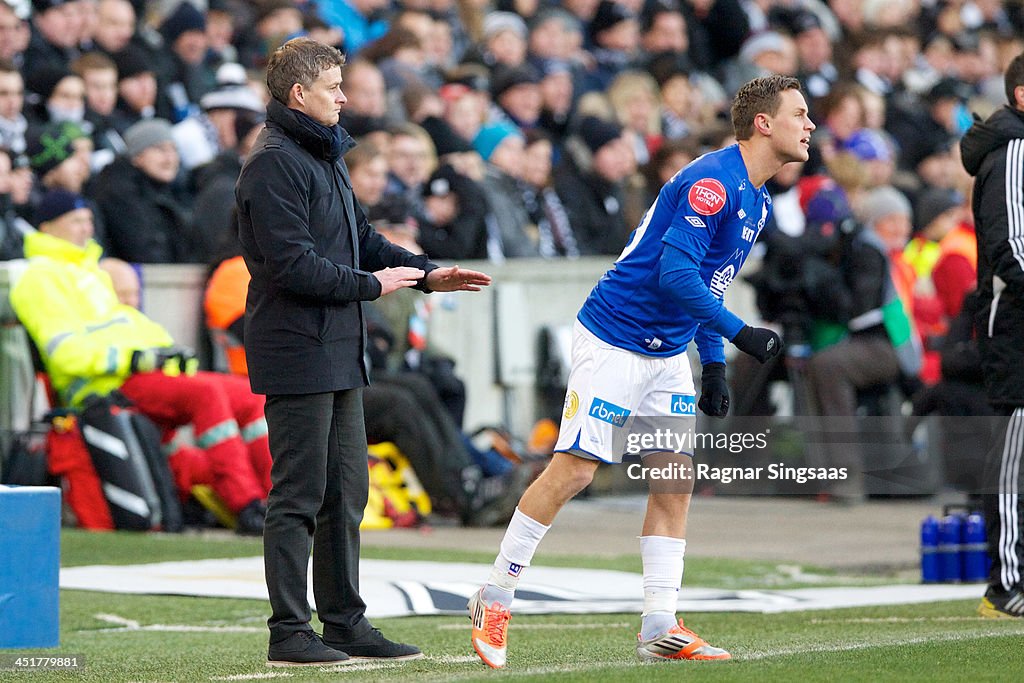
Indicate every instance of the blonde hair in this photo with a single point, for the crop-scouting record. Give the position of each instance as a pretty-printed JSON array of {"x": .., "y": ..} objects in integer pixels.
[{"x": 629, "y": 85}]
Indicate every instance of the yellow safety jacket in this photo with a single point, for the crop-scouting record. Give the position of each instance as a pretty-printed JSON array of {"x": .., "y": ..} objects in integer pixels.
[{"x": 84, "y": 334}]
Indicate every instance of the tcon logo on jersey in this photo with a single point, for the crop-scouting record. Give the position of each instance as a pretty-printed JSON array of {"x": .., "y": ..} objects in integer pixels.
[
  {"x": 683, "y": 404},
  {"x": 707, "y": 196},
  {"x": 696, "y": 222},
  {"x": 514, "y": 569},
  {"x": 608, "y": 412}
]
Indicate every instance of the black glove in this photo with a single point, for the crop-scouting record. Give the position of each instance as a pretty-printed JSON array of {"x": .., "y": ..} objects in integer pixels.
[
  {"x": 759, "y": 342},
  {"x": 714, "y": 391},
  {"x": 171, "y": 360}
]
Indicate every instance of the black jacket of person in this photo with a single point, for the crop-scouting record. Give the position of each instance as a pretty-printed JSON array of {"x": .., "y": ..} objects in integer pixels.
[
  {"x": 993, "y": 152},
  {"x": 146, "y": 221},
  {"x": 311, "y": 254}
]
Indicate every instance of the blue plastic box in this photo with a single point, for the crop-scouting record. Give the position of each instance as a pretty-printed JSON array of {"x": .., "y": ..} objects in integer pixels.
[{"x": 29, "y": 566}]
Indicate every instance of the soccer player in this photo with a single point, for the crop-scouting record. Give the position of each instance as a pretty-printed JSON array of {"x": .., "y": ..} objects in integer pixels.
[{"x": 629, "y": 359}]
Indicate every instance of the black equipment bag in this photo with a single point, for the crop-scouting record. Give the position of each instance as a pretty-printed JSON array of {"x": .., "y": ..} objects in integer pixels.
[{"x": 125, "y": 450}]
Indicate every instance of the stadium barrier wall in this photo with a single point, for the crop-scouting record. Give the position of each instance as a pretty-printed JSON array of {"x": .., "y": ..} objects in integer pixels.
[{"x": 492, "y": 335}]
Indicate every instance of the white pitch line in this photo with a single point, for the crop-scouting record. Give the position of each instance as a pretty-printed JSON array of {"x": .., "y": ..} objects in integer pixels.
[
  {"x": 252, "y": 677},
  {"x": 179, "y": 628},
  {"x": 884, "y": 642},
  {"x": 115, "y": 619},
  {"x": 897, "y": 620}
]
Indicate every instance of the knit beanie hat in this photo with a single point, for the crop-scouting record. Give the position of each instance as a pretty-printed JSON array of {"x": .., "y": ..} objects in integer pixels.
[
  {"x": 56, "y": 203},
  {"x": 884, "y": 201},
  {"x": 44, "y": 78},
  {"x": 52, "y": 146},
  {"x": 185, "y": 18},
  {"x": 145, "y": 134},
  {"x": 491, "y": 135},
  {"x": 132, "y": 61},
  {"x": 596, "y": 133},
  {"x": 932, "y": 203},
  {"x": 608, "y": 14}
]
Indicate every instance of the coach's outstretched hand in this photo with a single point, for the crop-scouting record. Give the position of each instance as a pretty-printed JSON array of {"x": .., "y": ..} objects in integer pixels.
[
  {"x": 759, "y": 342},
  {"x": 455, "y": 279},
  {"x": 714, "y": 391}
]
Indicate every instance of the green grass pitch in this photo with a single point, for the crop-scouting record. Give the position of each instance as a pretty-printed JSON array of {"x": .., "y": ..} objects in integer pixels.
[{"x": 170, "y": 638}]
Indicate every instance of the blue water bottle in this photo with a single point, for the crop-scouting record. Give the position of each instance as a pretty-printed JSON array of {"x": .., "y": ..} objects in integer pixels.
[
  {"x": 949, "y": 549},
  {"x": 930, "y": 550},
  {"x": 975, "y": 550}
]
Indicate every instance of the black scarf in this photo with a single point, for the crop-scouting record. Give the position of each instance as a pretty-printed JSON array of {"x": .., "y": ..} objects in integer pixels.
[{"x": 327, "y": 143}]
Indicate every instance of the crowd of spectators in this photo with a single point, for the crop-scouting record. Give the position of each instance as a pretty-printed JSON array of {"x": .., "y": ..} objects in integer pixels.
[
  {"x": 505, "y": 129},
  {"x": 518, "y": 128}
]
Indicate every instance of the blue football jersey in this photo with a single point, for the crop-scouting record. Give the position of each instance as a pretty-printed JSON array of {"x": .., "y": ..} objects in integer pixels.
[{"x": 709, "y": 210}]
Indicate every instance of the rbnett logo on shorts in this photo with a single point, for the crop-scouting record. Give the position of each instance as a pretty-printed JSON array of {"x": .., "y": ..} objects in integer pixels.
[
  {"x": 608, "y": 412},
  {"x": 683, "y": 404},
  {"x": 706, "y": 196}
]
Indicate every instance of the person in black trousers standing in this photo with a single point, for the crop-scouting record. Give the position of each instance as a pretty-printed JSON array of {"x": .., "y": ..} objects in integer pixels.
[
  {"x": 314, "y": 258},
  {"x": 993, "y": 152}
]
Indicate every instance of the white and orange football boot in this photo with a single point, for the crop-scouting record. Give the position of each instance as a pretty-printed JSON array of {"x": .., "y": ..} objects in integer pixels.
[
  {"x": 678, "y": 642},
  {"x": 490, "y": 630}
]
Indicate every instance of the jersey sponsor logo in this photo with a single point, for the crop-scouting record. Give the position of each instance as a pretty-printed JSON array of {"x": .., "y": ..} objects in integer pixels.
[
  {"x": 696, "y": 222},
  {"x": 749, "y": 234},
  {"x": 683, "y": 404},
  {"x": 608, "y": 412},
  {"x": 707, "y": 196},
  {"x": 514, "y": 569},
  {"x": 572, "y": 405}
]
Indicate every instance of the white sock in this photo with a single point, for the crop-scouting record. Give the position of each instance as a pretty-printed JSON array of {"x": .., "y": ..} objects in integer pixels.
[
  {"x": 663, "y": 573},
  {"x": 519, "y": 544}
]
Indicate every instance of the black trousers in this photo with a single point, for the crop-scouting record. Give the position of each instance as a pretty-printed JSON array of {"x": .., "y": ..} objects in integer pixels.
[
  {"x": 320, "y": 484},
  {"x": 1002, "y": 502}
]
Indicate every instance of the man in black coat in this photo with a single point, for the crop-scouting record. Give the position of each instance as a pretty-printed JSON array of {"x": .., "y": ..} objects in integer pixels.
[
  {"x": 314, "y": 258},
  {"x": 993, "y": 152}
]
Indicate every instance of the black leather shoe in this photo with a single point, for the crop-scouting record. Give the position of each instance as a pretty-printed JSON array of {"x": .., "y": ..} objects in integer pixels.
[
  {"x": 375, "y": 646},
  {"x": 304, "y": 648}
]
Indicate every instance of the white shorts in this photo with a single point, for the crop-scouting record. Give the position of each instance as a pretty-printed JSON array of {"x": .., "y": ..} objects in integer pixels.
[{"x": 616, "y": 399}]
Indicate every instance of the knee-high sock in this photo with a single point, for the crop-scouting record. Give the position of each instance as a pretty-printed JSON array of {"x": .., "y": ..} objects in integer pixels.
[
  {"x": 663, "y": 573},
  {"x": 519, "y": 544}
]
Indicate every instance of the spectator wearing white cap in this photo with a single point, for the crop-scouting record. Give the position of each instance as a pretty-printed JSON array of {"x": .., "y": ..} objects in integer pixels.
[
  {"x": 762, "y": 54},
  {"x": 204, "y": 135},
  {"x": 147, "y": 214}
]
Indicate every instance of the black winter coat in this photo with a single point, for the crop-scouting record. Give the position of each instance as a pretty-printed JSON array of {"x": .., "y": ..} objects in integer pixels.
[
  {"x": 145, "y": 221},
  {"x": 299, "y": 225},
  {"x": 993, "y": 152}
]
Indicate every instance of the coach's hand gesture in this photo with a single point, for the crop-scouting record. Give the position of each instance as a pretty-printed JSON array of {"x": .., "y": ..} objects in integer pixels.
[
  {"x": 455, "y": 279},
  {"x": 392, "y": 279}
]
